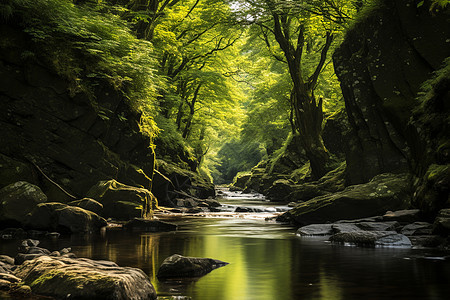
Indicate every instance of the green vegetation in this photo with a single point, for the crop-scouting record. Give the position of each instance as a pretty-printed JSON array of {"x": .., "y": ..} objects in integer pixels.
[{"x": 219, "y": 84}]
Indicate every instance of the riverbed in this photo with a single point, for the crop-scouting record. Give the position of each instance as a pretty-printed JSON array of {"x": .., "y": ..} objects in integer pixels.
[{"x": 267, "y": 260}]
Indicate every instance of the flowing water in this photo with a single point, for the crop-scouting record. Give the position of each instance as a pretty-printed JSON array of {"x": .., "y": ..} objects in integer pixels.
[{"x": 267, "y": 260}]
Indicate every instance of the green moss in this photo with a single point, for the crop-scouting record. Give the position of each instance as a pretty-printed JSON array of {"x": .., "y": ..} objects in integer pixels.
[
  {"x": 436, "y": 172},
  {"x": 311, "y": 205}
]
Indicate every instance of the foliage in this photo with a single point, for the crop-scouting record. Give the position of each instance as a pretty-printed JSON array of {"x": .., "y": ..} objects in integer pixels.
[{"x": 87, "y": 47}]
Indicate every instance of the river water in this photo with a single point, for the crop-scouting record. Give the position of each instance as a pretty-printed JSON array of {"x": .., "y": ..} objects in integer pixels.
[{"x": 267, "y": 261}]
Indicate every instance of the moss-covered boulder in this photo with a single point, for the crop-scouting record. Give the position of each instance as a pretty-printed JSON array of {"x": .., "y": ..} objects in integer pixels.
[
  {"x": 285, "y": 190},
  {"x": 17, "y": 200},
  {"x": 83, "y": 278},
  {"x": 442, "y": 222},
  {"x": 121, "y": 201},
  {"x": 61, "y": 217},
  {"x": 241, "y": 179},
  {"x": 178, "y": 266},
  {"x": 384, "y": 192},
  {"x": 88, "y": 204},
  {"x": 170, "y": 180}
]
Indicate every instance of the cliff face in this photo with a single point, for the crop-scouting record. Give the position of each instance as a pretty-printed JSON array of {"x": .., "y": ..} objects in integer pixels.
[
  {"x": 381, "y": 64},
  {"x": 74, "y": 140}
]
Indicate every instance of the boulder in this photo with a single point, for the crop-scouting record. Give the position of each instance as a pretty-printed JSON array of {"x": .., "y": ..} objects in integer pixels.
[
  {"x": 170, "y": 179},
  {"x": 84, "y": 279},
  {"x": 441, "y": 224},
  {"x": 340, "y": 227},
  {"x": 240, "y": 180},
  {"x": 177, "y": 266},
  {"x": 372, "y": 239},
  {"x": 139, "y": 224},
  {"x": 121, "y": 201},
  {"x": 417, "y": 228},
  {"x": 61, "y": 217},
  {"x": 17, "y": 200},
  {"x": 382, "y": 193},
  {"x": 88, "y": 204},
  {"x": 403, "y": 216},
  {"x": 5, "y": 285},
  {"x": 9, "y": 277},
  {"x": 279, "y": 190},
  {"x": 315, "y": 230}
]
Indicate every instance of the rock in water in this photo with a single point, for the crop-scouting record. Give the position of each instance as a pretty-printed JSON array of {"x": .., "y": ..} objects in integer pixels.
[
  {"x": 384, "y": 192},
  {"x": 177, "y": 266},
  {"x": 63, "y": 278},
  {"x": 140, "y": 224},
  {"x": 58, "y": 216},
  {"x": 372, "y": 239}
]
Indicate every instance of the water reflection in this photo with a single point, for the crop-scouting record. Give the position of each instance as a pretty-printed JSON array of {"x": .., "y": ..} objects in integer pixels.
[{"x": 267, "y": 261}]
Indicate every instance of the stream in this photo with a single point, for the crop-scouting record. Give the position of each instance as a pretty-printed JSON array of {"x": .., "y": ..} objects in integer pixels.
[{"x": 266, "y": 259}]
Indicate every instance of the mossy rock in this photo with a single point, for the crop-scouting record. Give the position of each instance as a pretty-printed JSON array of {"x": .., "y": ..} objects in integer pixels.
[
  {"x": 61, "y": 217},
  {"x": 88, "y": 204},
  {"x": 59, "y": 277},
  {"x": 17, "y": 200},
  {"x": 121, "y": 201},
  {"x": 384, "y": 192}
]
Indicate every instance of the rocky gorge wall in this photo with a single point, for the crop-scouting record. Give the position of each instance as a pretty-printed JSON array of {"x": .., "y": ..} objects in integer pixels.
[
  {"x": 382, "y": 64},
  {"x": 73, "y": 139}
]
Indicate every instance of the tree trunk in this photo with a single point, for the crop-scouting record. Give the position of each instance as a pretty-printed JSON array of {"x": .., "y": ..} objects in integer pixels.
[{"x": 308, "y": 119}]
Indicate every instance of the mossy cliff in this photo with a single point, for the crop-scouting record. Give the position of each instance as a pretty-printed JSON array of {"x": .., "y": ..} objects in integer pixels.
[
  {"x": 72, "y": 140},
  {"x": 398, "y": 123}
]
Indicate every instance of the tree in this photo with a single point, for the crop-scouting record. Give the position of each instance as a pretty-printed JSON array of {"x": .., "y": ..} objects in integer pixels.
[{"x": 290, "y": 30}]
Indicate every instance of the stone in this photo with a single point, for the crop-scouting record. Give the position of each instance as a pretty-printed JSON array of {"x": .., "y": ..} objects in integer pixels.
[
  {"x": 441, "y": 224},
  {"x": 7, "y": 259},
  {"x": 344, "y": 227},
  {"x": 378, "y": 226},
  {"x": 315, "y": 230},
  {"x": 170, "y": 180},
  {"x": 403, "y": 216},
  {"x": 372, "y": 239},
  {"x": 122, "y": 202},
  {"x": 417, "y": 228},
  {"x": 240, "y": 181},
  {"x": 17, "y": 200},
  {"x": 244, "y": 209},
  {"x": 177, "y": 266},
  {"x": 88, "y": 204},
  {"x": 428, "y": 241},
  {"x": 57, "y": 216},
  {"x": 22, "y": 257},
  {"x": 84, "y": 279},
  {"x": 380, "y": 90},
  {"x": 139, "y": 224},
  {"x": 75, "y": 141},
  {"x": 5, "y": 285},
  {"x": 9, "y": 277},
  {"x": 382, "y": 193}
]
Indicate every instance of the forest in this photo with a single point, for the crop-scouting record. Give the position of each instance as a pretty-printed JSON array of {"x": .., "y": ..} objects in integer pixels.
[{"x": 150, "y": 134}]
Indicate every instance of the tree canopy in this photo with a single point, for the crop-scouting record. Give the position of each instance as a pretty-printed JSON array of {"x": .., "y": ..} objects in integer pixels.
[{"x": 222, "y": 81}]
